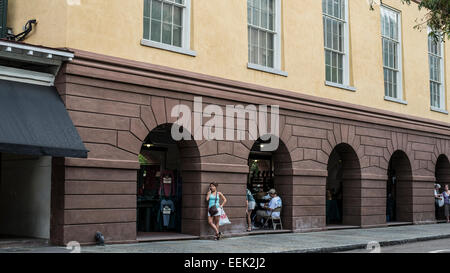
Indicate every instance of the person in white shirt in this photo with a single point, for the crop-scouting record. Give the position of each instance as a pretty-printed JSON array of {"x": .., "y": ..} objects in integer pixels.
[{"x": 275, "y": 202}]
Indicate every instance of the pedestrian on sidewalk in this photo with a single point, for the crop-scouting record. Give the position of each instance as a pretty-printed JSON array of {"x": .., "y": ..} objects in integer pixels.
[
  {"x": 438, "y": 200},
  {"x": 250, "y": 200},
  {"x": 213, "y": 197},
  {"x": 446, "y": 195}
]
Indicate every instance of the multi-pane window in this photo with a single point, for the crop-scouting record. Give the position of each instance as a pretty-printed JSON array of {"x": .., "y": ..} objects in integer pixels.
[
  {"x": 435, "y": 57},
  {"x": 163, "y": 21},
  {"x": 261, "y": 19},
  {"x": 334, "y": 30},
  {"x": 3, "y": 14},
  {"x": 390, "y": 32}
]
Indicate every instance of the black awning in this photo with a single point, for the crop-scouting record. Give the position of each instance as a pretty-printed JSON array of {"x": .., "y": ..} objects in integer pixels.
[{"x": 34, "y": 121}]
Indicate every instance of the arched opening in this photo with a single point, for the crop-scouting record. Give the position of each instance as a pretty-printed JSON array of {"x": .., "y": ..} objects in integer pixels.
[
  {"x": 442, "y": 178},
  {"x": 269, "y": 170},
  {"x": 165, "y": 165},
  {"x": 399, "y": 189},
  {"x": 343, "y": 188}
]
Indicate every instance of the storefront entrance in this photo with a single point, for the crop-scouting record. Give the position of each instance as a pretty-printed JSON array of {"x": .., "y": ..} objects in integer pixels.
[
  {"x": 267, "y": 171},
  {"x": 343, "y": 188},
  {"x": 159, "y": 185},
  {"x": 442, "y": 178},
  {"x": 399, "y": 190}
]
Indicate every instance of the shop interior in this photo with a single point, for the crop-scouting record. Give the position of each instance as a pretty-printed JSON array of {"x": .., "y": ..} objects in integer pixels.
[
  {"x": 442, "y": 174},
  {"x": 260, "y": 177},
  {"x": 159, "y": 184}
]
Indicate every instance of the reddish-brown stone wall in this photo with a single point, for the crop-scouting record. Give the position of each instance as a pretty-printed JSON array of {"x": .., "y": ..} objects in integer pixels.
[{"x": 115, "y": 103}]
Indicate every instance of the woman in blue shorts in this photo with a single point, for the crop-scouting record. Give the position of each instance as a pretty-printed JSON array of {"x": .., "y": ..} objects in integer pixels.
[{"x": 213, "y": 198}]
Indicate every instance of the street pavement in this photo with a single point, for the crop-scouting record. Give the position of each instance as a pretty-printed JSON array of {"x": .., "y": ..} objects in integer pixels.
[
  {"x": 312, "y": 242},
  {"x": 434, "y": 246}
]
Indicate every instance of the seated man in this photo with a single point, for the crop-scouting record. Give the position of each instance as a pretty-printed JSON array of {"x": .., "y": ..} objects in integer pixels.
[
  {"x": 275, "y": 202},
  {"x": 265, "y": 198}
]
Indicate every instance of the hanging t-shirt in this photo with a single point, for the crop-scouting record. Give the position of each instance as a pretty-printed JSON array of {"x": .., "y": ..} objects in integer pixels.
[
  {"x": 167, "y": 185},
  {"x": 167, "y": 208}
]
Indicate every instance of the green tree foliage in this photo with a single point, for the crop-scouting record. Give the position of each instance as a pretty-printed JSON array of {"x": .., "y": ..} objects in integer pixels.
[{"x": 437, "y": 17}]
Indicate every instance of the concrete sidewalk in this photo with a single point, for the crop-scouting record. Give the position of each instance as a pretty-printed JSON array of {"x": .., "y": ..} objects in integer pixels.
[{"x": 326, "y": 241}]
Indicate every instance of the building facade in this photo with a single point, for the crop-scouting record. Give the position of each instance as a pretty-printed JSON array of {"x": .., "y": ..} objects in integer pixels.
[{"x": 362, "y": 96}]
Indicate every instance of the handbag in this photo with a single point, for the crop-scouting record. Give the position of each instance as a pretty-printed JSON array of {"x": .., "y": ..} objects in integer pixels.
[
  {"x": 214, "y": 210},
  {"x": 223, "y": 218},
  {"x": 440, "y": 201}
]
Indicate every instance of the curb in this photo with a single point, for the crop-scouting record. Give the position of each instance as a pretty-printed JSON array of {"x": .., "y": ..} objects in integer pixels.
[{"x": 363, "y": 246}]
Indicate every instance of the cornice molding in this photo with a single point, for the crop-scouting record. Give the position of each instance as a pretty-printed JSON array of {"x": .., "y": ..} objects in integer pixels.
[{"x": 240, "y": 92}]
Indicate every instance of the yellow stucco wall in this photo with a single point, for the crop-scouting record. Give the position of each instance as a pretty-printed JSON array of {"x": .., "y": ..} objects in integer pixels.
[
  {"x": 219, "y": 37},
  {"x": 51, "y": 16}
]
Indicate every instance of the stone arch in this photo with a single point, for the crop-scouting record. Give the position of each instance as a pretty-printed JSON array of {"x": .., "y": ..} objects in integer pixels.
[
  {"x": 188, "y": 159},
  {"x": 344, "y": 178},
  {"x": 285, "y": 137},
  {"x": 400, "y": 188},
  {"x": 157, "y": 114},
  {"x": 282, "y": 175},
  {"x": 399, "y": 142},
  {"x": 442, "y": 148},
  {"x": 442, "y": 174},
  {"x": 345, "y": 135},
  {"x": 442, "y": 170}
]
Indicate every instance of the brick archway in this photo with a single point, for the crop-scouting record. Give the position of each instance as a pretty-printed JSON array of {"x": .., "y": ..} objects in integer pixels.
[
  {"x": 282, "y": 177},
  {"x": 442, "y": 174},
  {"x": 401, "y": 172},
  {"x": 344, "y": 174},
  {"x": 442, "y": 170},
  {"x": 187, "y": 157}
]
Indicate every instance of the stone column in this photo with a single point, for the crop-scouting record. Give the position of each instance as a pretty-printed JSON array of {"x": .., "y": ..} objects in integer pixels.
[
  {"x": 303, "y": 199},
  {"x": 423, "y": 200},
  {"x": 90, "y": 195},
  {"x": 373, "y": 200}
]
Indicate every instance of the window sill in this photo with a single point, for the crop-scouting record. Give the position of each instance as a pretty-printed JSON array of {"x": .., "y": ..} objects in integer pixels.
[
  {"x": 267, "y": 69},
  {"x": 395, "y": 100},
  {"x": 171, "y": 48},
  {"x": 341, "y": 86},
  {"x": 443, "y": 111}
]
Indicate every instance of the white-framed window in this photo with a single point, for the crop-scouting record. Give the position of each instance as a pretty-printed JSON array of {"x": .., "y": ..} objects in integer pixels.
[
  {"x": 336, "y": 41},
  {"x": 167, "y": 25},
  {"x": 264, "y": 30},
  {"x": 392, "y": 53},
  {"x": 436, "y": 63}
]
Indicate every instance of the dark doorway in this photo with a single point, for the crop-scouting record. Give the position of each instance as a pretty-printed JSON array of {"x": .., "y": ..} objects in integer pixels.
[
  {"x": 442, "y": 178},
  {"x": 391, "y": 196},
  {"x": 343, "y": 188},
  {"x": 399, "y": 189},
  {"x": 160, "y": 181}
]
